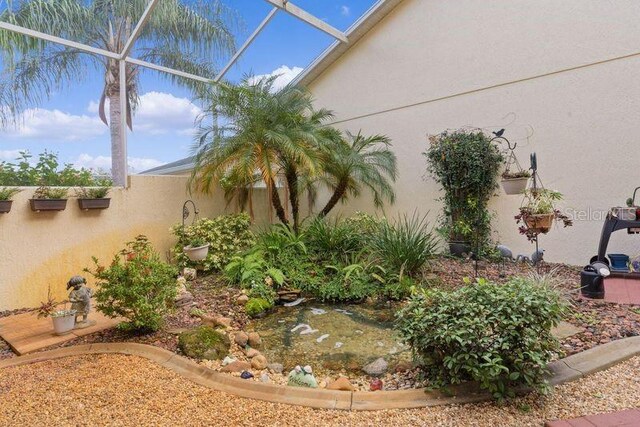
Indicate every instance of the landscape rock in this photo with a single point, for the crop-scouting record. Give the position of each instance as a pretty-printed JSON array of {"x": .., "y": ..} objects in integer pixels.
[
  {"x": 216, "y": 321},
  {"x": 342, "y": 384},
  {"x": 302, "y": 377},
  {"x": 254, "y": 340},
  {"x": 259, "y": 362},
  {"x": 242, "y": 299},
  {"x": 246, "y": 375},
  {"x": 376, "y": 368},
  {"x": 252, "y": 352},
  {"x": 190, "y": 273},
  {"x": 276, "y": 368},
  {"x": 265, "y": 378},
  {"x": 204, "y": 342},
  {"x": 237, "y": 366},
  {"x": 241, "y": 338},
  {"x": 376, "y": 384},
  {"x": 228, "y": 360}
]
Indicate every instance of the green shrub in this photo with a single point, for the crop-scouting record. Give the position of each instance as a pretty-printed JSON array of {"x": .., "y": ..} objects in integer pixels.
[
  {"x": 204, "y": 342},
  {"x": 256, "y": 306},
  {"x": 497, "y": 335},
  {"x": 261, "y": 290},
  {"x": 244, "y": 269},
  {"x": 405, "y": 245},
  {"x": 137, "y": 286},
  {"x": 326, "y": 237},
  {"x": 227, "y": 235}
]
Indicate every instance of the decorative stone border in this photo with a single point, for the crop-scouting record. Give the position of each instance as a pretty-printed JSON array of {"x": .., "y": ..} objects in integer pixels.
[{"x": 565, "y": 370}]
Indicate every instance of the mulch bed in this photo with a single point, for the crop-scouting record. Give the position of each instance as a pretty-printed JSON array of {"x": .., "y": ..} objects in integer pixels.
[{"x": 602, "y": 321}]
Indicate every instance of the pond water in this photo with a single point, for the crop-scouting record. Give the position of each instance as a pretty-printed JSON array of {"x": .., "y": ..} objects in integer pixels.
[{"x": 331, "y": 337}]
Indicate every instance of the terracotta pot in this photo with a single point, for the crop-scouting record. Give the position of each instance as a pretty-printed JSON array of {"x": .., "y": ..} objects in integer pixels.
[
  {"x": 541, "y": 223},
  {"x": 87, "y": 204},
  {"x": 513, "y": 186},
  {"x": 5, "y": 206},
  {"x": 39, "y": 205},
  {"x": 197, "y": 254}
]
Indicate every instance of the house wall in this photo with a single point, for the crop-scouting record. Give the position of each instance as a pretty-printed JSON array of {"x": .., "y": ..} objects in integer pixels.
[
  {"x": 436, "y": 65},
  {"x": 38, "y": 250}
]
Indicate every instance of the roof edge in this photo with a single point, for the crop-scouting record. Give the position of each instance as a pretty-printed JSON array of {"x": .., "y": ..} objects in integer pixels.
[{"x": 356, "y": 31}]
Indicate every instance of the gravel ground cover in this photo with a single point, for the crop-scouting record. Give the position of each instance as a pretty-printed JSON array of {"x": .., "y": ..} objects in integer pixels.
[{"x": 121, "y": 390}]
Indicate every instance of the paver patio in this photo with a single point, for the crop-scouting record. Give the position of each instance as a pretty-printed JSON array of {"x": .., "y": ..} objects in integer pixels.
[
  {"x": 622, "y": 290},
  {"x": 628, "y": 418},
  {"x": 26, "y": 333}
]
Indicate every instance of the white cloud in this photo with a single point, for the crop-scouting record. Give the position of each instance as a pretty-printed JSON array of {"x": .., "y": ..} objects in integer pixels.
[
  {"x": 55, "y": 126},
  {"x": 344, "y": 10},
  {"x": 10, "y": 155},
  {"x": 136, "y": 164},
  {"x": 284, "y": 73},
  {"x": 160, "y": 113}
]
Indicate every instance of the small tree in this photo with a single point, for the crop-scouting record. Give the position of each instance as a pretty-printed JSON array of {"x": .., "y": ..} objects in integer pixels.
[
  {"x": 137, "y": 286},
  {"x": 466, "y": 164}
]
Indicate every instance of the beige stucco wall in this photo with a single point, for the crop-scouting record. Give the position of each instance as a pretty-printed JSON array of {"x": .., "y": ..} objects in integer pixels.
[
  {"x": 584, "y": 122},
  {"x": 42, "y": 249}
]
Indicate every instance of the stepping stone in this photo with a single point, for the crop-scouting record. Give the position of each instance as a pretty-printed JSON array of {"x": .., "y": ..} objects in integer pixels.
[{"x": 565, "y": 330}]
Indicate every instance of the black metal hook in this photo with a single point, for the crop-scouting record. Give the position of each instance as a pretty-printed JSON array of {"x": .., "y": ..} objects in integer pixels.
[{"x": 186, "y": 212}]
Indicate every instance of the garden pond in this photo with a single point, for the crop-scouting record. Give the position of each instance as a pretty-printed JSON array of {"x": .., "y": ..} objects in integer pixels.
[{"x": 331, "y": 337}]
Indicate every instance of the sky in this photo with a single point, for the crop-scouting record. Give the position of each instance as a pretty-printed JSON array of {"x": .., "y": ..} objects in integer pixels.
[{"x": 68, "y": 123}]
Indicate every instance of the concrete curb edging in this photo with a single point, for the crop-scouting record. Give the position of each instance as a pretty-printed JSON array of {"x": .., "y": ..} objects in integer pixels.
[{"x": 565, "y": 370}]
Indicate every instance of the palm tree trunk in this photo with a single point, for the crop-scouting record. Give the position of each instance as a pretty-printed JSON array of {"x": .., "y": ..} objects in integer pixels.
[
  {"x": 277, "y": 205},
  {"x": 118, "y": 160},
  {"x": 292, "y": 182},
  {"x": 335, "y": 198}
]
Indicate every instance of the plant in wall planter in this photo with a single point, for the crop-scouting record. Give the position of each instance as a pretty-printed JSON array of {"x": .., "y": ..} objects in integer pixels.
[
  {"x": 515, "y": 182},
  {"x": 538, "y": 212},
  {"x": 197, "y": 250},
  {"x": 5, "y": 198},
  {"x": 93, "y": 198},
  {"x": 49, "y": 199},
  {"x": 63, "y": 320}
]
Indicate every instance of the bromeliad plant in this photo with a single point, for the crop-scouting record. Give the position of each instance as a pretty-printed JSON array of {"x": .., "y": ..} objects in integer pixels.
[{"x": 538, "y": 212}]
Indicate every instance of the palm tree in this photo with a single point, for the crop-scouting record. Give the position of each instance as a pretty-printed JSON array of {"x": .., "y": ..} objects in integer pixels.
[
  {"x": 359, "y": 162},
  {"x": 179, "y": 35},
  {"x": 265, "y": 136}
]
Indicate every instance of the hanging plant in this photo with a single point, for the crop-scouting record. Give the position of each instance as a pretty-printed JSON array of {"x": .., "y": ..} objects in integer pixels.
[
  {"x": 514, "y": 178},
  {"x": 538, "y": 213}
]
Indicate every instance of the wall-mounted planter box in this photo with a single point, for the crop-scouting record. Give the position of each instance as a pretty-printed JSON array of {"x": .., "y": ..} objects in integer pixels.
[
  {"x": 42, "y": 205},
  {"x": 5, "y": 206},
  {"x": 88, "y": 204}
]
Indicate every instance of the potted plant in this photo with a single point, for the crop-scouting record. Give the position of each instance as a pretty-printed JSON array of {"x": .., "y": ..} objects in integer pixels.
[
  {"x": 93, "y": 198},
  {"x": 49, "y": 199},
  {"x": 515, "y": 182},
  {"x": 197, "y": 249},
  {"x": 63, "y": 320},
  {"x": 538, "y": 212},
  {"x": 6, "y": 194}
]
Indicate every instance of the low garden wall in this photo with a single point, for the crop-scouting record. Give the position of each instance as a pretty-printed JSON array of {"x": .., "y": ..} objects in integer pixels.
[{"x": 42, "y": 249}]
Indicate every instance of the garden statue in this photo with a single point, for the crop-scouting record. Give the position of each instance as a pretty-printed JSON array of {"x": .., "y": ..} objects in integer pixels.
[{"x": 80, "y": 299}]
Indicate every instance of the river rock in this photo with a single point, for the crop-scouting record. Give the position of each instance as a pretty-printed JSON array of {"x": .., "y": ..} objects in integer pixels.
[
  {"x": 252, "y": 352},
  {"x": 300, "y": 377},
  {"x": 241, "y": 338},
  {"x": 242, "y": 299},
  {"x": 190, "y": 273},
  {"x": 254, "y": 340},
  {"x": 246, "y": 375},
  {"x": 265, "y": 378},
  {"x": 376, "y": 384},
  {"x": 259, "y": 362},
  {"x": 204, "y": 342},
  {"x": 276, "y": 368},
  {"x": 216, "y": 321},
  {"x": 227, "y": 360},
  {"x": 342, "y": 384},
  {"x": 377, "y": 367},
  {"x": 237, "y": 366}
]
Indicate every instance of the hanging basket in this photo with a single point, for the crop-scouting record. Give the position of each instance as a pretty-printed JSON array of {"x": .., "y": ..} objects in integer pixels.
[
  {"x": 540, "y": 223},
  {"x": 514, "y": 186}
]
